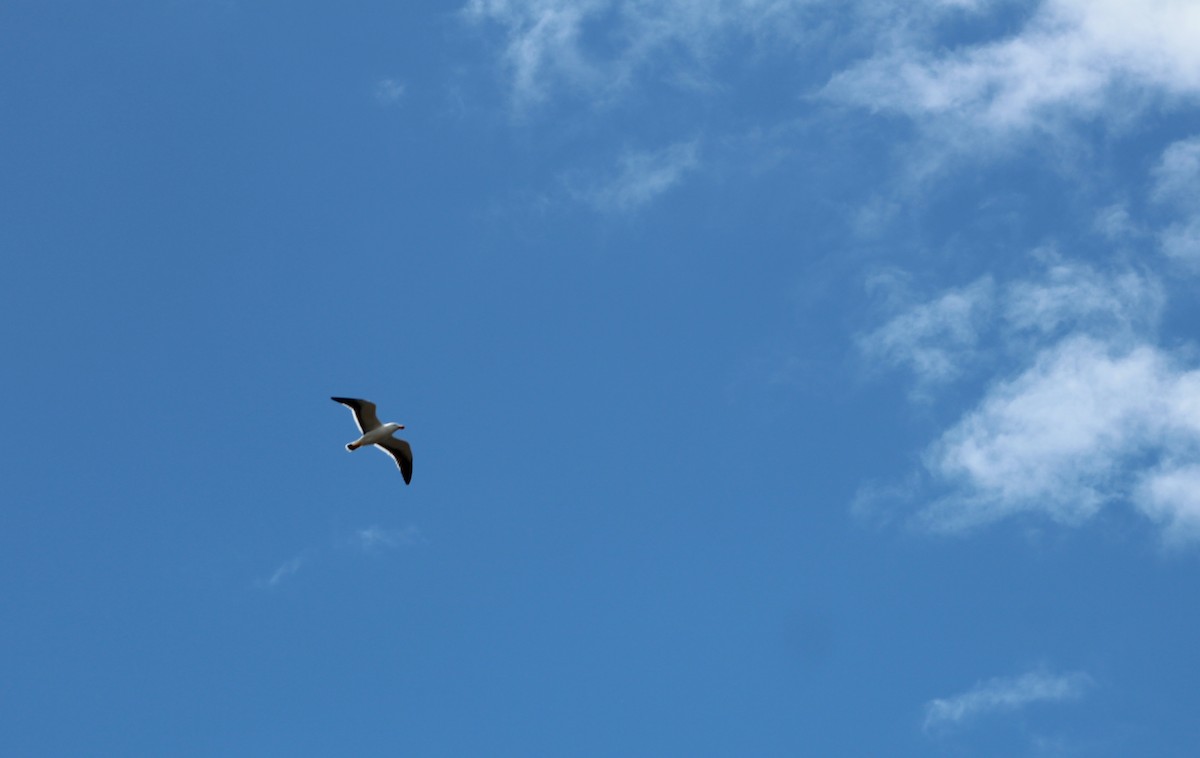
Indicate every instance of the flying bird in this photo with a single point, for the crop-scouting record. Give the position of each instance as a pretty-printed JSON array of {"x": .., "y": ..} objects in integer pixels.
[{"x": 377, "y": 434}]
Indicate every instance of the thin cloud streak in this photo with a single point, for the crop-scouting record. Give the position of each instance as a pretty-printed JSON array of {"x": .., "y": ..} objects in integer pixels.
[
  {"x": 374, "y": 538},
  {"x": 285, "y": 570},
  {"x": 1004, "y": 694},
  {"x": 640, "y": 178}
]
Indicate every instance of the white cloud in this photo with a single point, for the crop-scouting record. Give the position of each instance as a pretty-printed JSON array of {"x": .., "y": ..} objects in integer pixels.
[
  {"x": 603, "y": 47},
  {"x": 370, "y": 539},
  {"x": 388, "y": 91},
  {"x": 1049, "y": 440},
  {"x": 1094, "y": 413},
  {"x": 1074, "y": 58},
  {"x": 600, "y": 47},
  {"x": 1071, "y": 60},
  {"x": 1004, "y": 694},
  {"x": 1171, "y": 495},
  {"x": 1080, "y": 428},
  {"x": 876, "y": 503},
  {"x": 1177, "y": 175},
  {"x": 935, "y": 339},
  {"x": 640, "y": 177},
  {"x": 284, "y": 571},
  {"x": 940, "y": 339},
  {"x": 543, "y": 40},
  {"x": 1181, "y": 242},
  {"x": 1177, "y": 184},
  {"x": 378, "y": 538},
  {"x": 1115, "y": 223},
  {"x": 1076, "y": 296}
]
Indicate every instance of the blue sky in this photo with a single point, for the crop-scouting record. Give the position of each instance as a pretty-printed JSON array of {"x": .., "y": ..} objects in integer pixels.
[{"x": 783, "y": 378}]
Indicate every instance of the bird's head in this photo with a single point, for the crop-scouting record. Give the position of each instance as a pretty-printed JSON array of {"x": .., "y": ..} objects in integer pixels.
[{"x": 394, "y": 427}]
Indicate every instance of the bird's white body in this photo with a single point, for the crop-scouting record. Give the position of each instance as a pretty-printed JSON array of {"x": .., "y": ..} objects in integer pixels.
[{"x": 376, "y": 436}]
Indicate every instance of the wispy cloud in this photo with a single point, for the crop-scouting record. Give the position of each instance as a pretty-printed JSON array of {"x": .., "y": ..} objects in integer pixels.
[
  {"x": 285, "y": 570},
  {"x": 1181, "y": 242},
  {"x": 878, "y": 503},
  {"x": 938, "y": 340},
  {"x": 1177, "y": 173},
  {"x": 542, "y": 44},
  {"x": 1116, "y": 223},
  {"x": 1170, "y": 495},
  {"x": 389, "y": 91},
  {"x": 374, "y": 538},
  {"x": 1077, "y": 298},
  {"x": 601, "y": 47},
  {"x": 1176, "y": 178},
  {"x": 1071, "y": 433},
  {"x": 1004, "y": 694},
  {"x": 640, "y": 177},
  {"x": 1073, "y": 59},
  {"x": 934, "y": 339},
  {"x": 1094, "y": 413}
]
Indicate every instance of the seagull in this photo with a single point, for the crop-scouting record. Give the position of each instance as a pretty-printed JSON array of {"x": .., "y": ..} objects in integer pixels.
[{"x": 377, "y": 434}]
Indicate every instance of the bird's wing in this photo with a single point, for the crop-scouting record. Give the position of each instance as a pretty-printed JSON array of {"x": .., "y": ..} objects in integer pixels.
[
  {"x": 364, "y": 412},
  {"x": 402, "y": 452}
]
